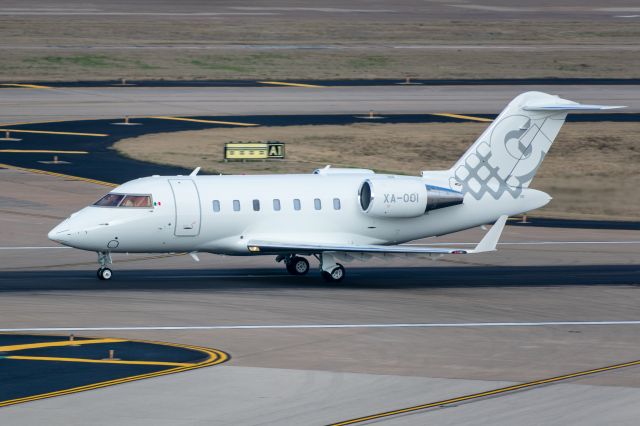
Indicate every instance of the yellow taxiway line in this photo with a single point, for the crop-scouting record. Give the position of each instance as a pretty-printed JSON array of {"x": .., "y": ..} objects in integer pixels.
[
  {"x": 40, "y": 151},
  {"x": 484, "y": 394},
  {"x": 59, "y": 343},
  {"x": 464, "y": 117},
  {"x": 97, "y": 361},
  {"x": 25, "y": 86},
  {"x": 60, "y": 175},
  {"x": 214, "y": 356},
  {"x": 282, "y": 83},
  {"x": 197, "y": 120},
  {"x": 46, "y": 132},
  {"x": 22, "y": 123}
]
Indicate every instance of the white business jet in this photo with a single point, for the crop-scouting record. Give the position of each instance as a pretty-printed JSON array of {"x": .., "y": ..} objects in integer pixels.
[{"x": 333, "y": 214}]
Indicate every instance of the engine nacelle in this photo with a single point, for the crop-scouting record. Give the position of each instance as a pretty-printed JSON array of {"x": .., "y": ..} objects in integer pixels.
[
  {"x": 398, "y": 197},
  {"x": 391, "y": 196}
]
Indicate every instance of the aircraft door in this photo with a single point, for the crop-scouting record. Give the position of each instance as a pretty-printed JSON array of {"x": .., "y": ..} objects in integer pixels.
[{"x": 188, "y": 215}]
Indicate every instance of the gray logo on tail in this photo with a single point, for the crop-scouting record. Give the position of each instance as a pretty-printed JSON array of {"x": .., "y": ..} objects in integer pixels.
[{"x": 508, "y": 162}]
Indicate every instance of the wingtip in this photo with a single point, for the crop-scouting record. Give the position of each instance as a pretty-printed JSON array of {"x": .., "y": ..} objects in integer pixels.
[{"x": 490, "y": 239}]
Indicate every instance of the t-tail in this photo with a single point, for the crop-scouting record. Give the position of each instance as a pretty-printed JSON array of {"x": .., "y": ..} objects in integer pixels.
[{"x": 506, "y": 157}]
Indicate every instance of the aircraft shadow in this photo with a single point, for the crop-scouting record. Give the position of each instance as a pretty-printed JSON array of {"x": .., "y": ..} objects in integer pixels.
[{"x": 365, "y": 278}]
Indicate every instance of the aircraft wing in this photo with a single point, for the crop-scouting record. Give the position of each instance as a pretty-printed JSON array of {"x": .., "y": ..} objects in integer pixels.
[{"x": 488, "y": 243}]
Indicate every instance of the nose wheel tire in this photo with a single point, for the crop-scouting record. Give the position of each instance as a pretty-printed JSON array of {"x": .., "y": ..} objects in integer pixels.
[
  {"x": 335, "y": 275},
  {"x": 104, "y": 274},
  {"x": 298, "y": 266}
]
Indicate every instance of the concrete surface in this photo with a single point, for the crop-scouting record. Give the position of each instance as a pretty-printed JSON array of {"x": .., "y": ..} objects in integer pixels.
[
  {"x": 25, "y": 105},
  {"x": 319, "y": 375},
  {"x": 266, "y": 396}
]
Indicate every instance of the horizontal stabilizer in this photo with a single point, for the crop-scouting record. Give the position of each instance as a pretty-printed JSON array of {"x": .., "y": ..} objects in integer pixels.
[{"x": 570, "y": 107}]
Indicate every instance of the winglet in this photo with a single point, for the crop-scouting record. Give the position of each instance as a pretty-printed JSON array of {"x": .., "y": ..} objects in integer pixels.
[
  {"x": 490, "y": 239},
  {"x": 195, "y": 171}
]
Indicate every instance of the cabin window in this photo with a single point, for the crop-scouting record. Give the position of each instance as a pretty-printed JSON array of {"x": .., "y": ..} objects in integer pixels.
[
  {"x": 136, "y": 201},
  {"x": 276, "y": 205},
  {"x": 109, "y": 200},
  {"x": 336, "y": 204},
  {"x": 256, "y": 205},
  {"x": 216, "y": 205},
  {"x": 296, "y": 204},
  {"x": 317, "y": 204},
  {"x": 236, "y": 205}
]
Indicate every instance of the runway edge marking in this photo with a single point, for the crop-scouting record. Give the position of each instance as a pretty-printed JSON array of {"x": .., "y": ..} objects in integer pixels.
[
  {"x": 215, "y": 356},
  {"x": 484, "y": 394},
  {"x": 325, "y": 326}
]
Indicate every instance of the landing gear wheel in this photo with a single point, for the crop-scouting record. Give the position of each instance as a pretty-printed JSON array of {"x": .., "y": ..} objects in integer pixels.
[
  {"x": 335, "y": 275},
  {"x": 298, "y": 266},
  {"x": 104, "y": 273}
]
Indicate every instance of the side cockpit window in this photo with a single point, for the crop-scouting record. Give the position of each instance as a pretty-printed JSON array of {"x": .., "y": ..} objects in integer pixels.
[
  {"x": 109, "y": 200},
  {"x": 136, "y": 201},
  {"x": 123, "y": 200}
]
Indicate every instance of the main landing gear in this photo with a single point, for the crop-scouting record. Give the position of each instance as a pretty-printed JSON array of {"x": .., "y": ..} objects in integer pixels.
[
  {"x": 335, "y": 275},
  {"x": 296, "y": 265},
  {"x": 329, "y": 270},
  {"x": 104, "y": 259}
]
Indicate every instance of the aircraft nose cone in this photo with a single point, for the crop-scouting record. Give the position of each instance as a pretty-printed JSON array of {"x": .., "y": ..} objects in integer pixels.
[
  {"x": 53, "y": 235},
  {"x": 58, "y": 234}
]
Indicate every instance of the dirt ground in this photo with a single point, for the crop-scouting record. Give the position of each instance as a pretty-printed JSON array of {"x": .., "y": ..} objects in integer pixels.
[
  {"x": 591, "y": 170},
  {"x": 320, "y": 46}
]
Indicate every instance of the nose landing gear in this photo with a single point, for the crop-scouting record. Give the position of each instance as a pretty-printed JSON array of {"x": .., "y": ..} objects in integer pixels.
[
  {"x": 104, "y": 259},
  {"x": 104, "y": 273}
]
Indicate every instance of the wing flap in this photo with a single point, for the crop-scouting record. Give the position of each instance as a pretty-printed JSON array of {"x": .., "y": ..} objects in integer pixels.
[{"x": 488, "y": 243}]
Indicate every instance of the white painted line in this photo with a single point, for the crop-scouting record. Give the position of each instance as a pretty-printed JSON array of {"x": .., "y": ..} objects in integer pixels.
[
  {"x": 307, "y": 326},
  {"x": 34, "y": 248}
]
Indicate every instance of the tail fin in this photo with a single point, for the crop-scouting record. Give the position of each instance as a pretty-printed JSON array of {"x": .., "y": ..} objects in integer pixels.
[{"x": 507, "y": 155}]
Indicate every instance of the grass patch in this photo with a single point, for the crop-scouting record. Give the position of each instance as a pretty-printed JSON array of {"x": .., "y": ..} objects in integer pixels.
[
  {"x": 366, "y": 62},
  {"x": 90, "y": 61}
]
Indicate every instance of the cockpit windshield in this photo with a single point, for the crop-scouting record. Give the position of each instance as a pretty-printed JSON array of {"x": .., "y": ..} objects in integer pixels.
[
  {"x": 109, "y": 200},
  {"x": 123, "y": 200}
]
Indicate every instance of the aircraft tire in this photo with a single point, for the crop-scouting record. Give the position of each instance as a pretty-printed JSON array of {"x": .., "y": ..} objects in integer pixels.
[
  {"x": 336, "y": 275},
  {"x": 105, "y": 274},
  {"x": 298, "y": 266}
]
